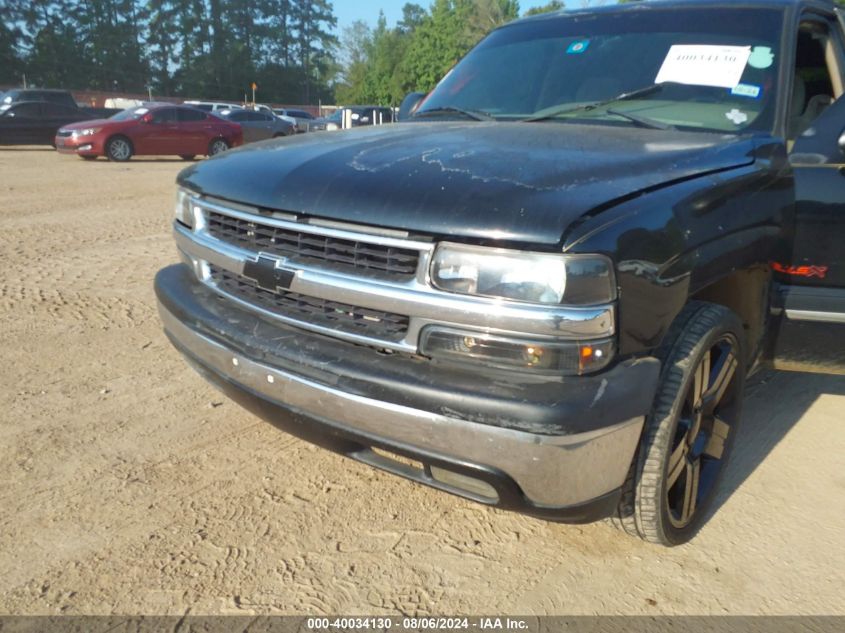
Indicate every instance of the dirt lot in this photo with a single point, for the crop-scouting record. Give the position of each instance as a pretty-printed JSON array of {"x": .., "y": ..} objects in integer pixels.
[{"x": 129, "y": 486}]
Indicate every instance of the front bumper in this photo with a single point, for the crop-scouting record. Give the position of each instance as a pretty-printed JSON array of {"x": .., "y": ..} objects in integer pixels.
[
  {"x": 83, "y": 146},
  {"x": 331, "y": 393}
]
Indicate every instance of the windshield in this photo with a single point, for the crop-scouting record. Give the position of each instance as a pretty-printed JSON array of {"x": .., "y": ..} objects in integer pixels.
[
  {"x": 129, "y": 113},
  {"x": 717, "y": 69}
]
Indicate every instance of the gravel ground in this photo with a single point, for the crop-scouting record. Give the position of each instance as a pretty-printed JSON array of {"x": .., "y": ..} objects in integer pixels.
[{"x": 131, "y": 487}]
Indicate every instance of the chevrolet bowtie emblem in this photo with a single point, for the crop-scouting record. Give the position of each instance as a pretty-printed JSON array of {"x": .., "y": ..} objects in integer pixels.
[{"x": 268, "y": 273}]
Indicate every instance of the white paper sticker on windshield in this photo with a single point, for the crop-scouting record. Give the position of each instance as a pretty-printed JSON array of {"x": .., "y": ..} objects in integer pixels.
[{"x": 704, "y": 65}]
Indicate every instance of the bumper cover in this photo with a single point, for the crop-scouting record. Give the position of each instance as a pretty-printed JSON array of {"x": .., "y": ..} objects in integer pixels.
[
  {"x": 69, "y": 145},
  {"x": 546, "y": 471}
]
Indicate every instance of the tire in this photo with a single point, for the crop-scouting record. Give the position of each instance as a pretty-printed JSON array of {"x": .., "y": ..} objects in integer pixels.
[
  {"x": 688, "y": 435},
  {"x": 187, "y": 156},
  {"x": 217, "y": 146},
  {"x": 119, "y": 149}
]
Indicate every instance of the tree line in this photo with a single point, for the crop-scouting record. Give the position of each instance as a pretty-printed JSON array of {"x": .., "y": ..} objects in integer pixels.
[
  {"x": 217, "y": 48},
  {"x": 200, "y": 48}
]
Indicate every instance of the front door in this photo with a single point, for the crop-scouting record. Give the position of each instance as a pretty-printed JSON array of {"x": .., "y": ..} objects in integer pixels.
[
  {"x": 161, "y": 135},
  {"x": 811, "y": 298}
]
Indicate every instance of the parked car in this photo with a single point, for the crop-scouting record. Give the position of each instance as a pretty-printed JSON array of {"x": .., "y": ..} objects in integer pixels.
[
  {"x": 545, "y": 299},
  {"x": 59, "y": 97},
  {"x": 302, "y": 118},
  {"x": 18, "y": 95},
  {"x": 361, "y": 115},
  {"x": 213, "y": 106},
  {"x": 156, "y": 129},
  {"x": 258, "y": 126},
  {"x": 36, "y": 122}
]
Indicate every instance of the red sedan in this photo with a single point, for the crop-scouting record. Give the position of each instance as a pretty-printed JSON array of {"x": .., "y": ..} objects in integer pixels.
[{"x": 150, "y": 130}]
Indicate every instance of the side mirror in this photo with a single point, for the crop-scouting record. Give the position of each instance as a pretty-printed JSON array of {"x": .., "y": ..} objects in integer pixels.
[
  {"x": 409, "y": 105},
  {"x": 147, "y": 118},
  {"x": 842, "y": 142}
]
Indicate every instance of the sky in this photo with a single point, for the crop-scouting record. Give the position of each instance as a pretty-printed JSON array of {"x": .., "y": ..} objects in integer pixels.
[{"x": 347, "y": 11}]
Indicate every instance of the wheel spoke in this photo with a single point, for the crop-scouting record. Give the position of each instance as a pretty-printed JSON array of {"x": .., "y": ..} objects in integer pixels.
[
  {"x": 716, "y": 443},
  {"x": 693, "y": 470},
  {"x": 701, "y": 380},
  {"x": 722, "y": 375},
  {"x": 677, "y": 463}
]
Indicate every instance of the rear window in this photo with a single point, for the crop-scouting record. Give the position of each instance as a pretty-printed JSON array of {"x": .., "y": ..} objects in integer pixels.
[
  {"x": 64, "y": 98},
  {"x": 58, "y": 109},
  {"x": 191, "y": 114}
]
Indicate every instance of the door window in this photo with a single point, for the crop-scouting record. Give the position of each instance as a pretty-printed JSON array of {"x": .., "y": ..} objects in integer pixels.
[
  {"x": 167, "y": 115},
  {"x": 817, "y": 80},
  {"x": 26, "y": 111}
]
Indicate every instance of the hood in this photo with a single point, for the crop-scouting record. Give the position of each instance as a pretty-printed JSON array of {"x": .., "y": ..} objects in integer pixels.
[
  {"x": 516, "y": 182},
  {"x": 81, "y": 125}
]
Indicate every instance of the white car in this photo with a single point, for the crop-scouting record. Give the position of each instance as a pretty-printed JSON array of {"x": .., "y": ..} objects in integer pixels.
[{"x": 213, "y": 106}]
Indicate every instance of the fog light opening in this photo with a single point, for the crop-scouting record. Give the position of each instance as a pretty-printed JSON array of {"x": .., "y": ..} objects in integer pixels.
[{"x": 471, "y": 485}]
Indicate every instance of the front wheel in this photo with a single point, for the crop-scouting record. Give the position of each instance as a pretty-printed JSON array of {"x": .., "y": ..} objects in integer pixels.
[
  {"x": 689, "y": 434},
  {"x": 217, "y": 146},
  {"x": 119, "y": 149}
]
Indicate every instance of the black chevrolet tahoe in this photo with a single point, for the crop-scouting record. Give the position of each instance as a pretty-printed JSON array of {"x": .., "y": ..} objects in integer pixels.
[{"x": 544, "y": 291}]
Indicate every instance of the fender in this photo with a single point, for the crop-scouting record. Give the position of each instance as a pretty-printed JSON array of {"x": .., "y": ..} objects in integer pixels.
[{"x": 672, "y": 243}]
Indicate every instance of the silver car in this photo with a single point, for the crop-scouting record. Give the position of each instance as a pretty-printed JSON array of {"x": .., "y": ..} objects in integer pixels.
[
  {"x": 303, "y": 119},
  {"x": 258, "y": 126}
]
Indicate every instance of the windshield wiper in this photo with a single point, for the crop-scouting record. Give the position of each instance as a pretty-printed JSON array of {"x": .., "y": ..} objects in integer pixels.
[
  {"x": 642, "y": 121},
  {"x": 556, "y": 111},
  {"x": 476, "y": 115}
]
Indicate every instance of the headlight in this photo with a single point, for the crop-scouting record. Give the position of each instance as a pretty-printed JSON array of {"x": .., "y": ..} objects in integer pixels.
[
  {"x": 89, "y": 131},
  {"x": 332, "y": 127},
  {"x": 547, "y": 278},
  {"x": 184, "y": 209}
]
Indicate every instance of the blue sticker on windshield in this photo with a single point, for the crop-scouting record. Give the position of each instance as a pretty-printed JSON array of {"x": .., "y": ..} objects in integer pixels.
[
  {"x": 747, "y": 90},
  {"x": 578, "y": 47}
]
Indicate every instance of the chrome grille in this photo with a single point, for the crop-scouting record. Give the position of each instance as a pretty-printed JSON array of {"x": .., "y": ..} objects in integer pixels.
[
  {"x": 312, "y": 249},
  {"x": 331, "y": 314}
]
